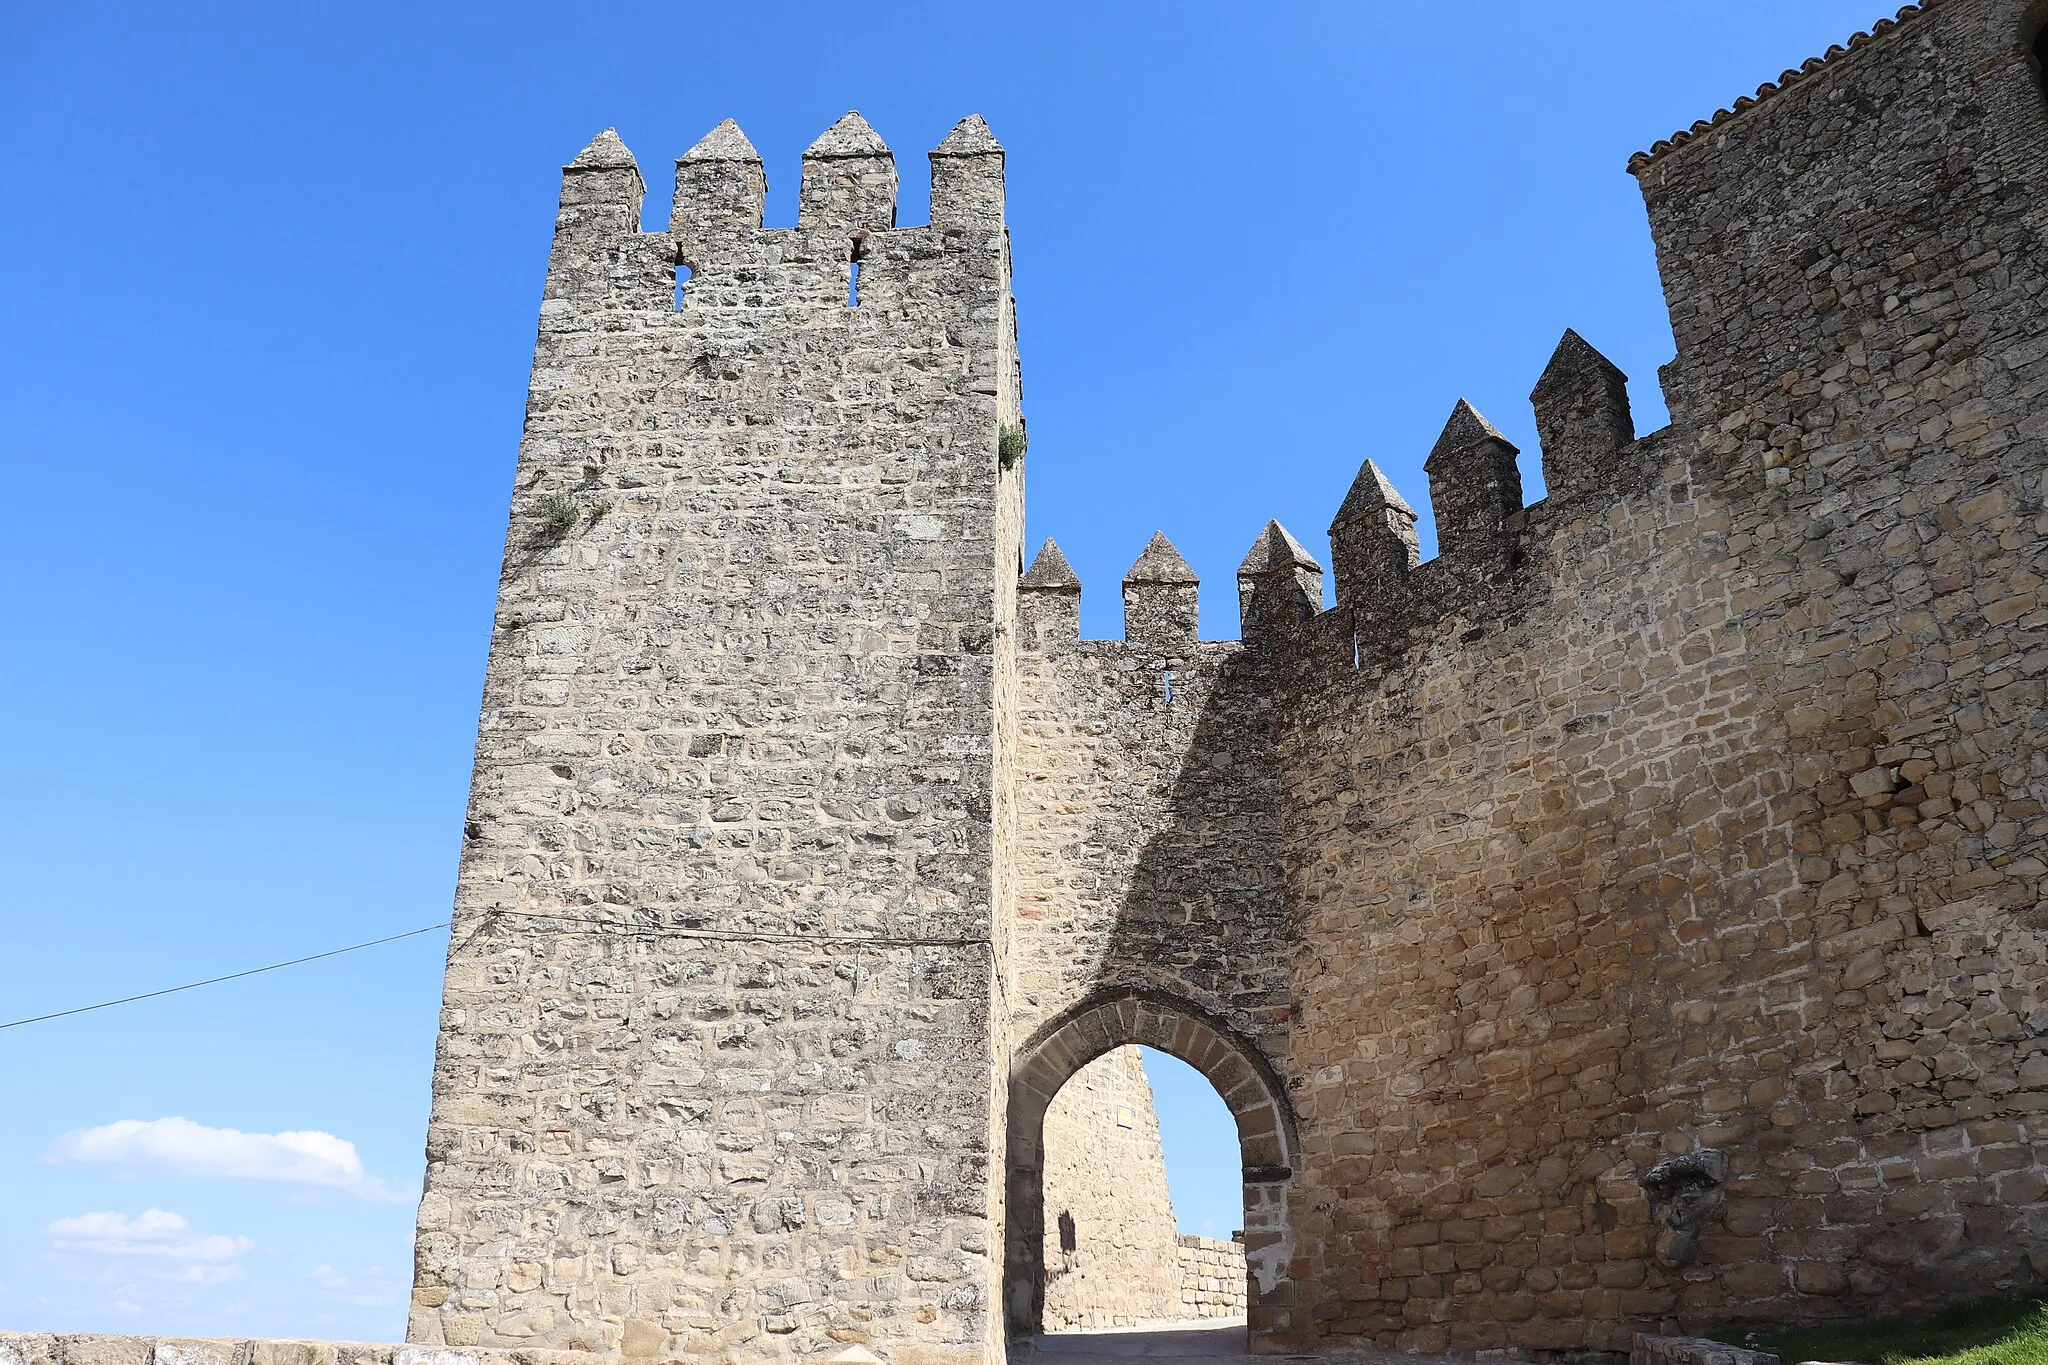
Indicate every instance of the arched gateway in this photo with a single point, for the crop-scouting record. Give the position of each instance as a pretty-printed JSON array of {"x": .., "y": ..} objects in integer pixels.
[
  {"x": 1265, "y": 1134},
  {"x": 796, "y": 811}
]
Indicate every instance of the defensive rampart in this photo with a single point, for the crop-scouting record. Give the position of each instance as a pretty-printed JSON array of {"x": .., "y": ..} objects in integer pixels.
[
  {"x": 1700, "y": 806},
  {"x": 1112, "y": 1255},
  {"x": 1630, "y": 921},
  {"x": 719, "y": 1060},
  {"x": 1696, "y": 808}
]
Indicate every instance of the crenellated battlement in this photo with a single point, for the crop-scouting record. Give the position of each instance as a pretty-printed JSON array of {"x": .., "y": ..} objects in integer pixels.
[
  {"x": 845, "y": 250},
  {"x": 1485, "y": 533},
  {"x": 1385, "y": 591},
  {"x": 1697, "y": 806}
]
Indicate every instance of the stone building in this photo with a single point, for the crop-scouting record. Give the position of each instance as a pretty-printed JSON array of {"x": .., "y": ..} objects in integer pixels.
[
  {"x": 1632, "y": 918},
  {"x": 1112, "y": 1250}
]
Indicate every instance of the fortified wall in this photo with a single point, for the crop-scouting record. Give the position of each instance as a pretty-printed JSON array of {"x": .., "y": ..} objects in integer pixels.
[
  {"x": 1634, "y": 919},
  {"x": 1631, "y": 919},
  {"x": 1695, "y": 811},
  {"x": 1112, "y": 1250},
  {"x": 1701, "y": 805}
]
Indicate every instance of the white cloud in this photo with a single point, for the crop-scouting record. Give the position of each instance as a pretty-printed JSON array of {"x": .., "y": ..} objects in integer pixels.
[
  {"x": 175, "y": 1146},
  {"x": 155, "y": 1233}
]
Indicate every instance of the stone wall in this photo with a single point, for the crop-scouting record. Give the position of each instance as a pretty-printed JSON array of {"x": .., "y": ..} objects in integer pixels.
[
  {"x": 1649, "y": 1350},
  {"x": 1697, "y": 806},
  {"x": 1147, "y": 814},
  {"x": 719, "y": 1068},
  {"x": 1149, "y": 893},
  {"x": 46, "y": 1348},
  {"x": 1700, "y": 807},
  {"x": 1701, "y": 804},
  {"x": 1111, "y": 1256},
  {"x": 1211, "y": 1278}
]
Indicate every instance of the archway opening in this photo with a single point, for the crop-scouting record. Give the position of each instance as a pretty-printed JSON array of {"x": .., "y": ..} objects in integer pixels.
[
  {"x": 1074, "y": 1086},
  {"x": 1142, "y": 1194}
]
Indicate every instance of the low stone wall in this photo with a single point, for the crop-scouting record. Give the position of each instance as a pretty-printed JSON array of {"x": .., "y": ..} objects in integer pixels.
[
  {"x": 53, "y": 1348},
  {"x": 1693, "y": 1351},
  {"x": 1211, "y": 1278}
]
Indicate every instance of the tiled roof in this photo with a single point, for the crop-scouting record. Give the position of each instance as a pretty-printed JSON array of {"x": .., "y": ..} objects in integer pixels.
[{"x": 1770, "y": 88}]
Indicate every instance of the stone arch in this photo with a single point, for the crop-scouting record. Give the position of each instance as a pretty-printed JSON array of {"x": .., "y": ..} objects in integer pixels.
[{"x": 1266, "y": 1134}]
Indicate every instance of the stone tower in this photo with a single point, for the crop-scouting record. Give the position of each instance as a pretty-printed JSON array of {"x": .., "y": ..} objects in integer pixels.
[
  {"x": 717, "y": 1068},
  {"x": 1695, "y": 813}
]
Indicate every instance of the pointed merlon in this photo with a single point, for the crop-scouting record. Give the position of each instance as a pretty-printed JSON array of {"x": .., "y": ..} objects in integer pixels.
[
  {"x": 967, "y": 179},
  {"x": 1465, "y": 431},
  {"x": 1371, "y": 492},
  {"x": 1582, "y": 419},
  {"x": 849, "y": 137},
  {"x": 1575, "y": 360},
  {"x": 606, "y": 152},
  {"x": 1050, "y": 571},
  {"x": 724, "y": 143},
  {"x": 970, "y": 137},
  {"x": 1372, "y": 540},
  {"x": 1160, "y": 563},
  {"x": 1275, "y": 549}
]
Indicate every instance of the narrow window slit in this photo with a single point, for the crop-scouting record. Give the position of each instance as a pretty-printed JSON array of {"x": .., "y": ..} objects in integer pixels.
[
  {"x": 1357, "y": 653},
  {"x": 683, "y": 276},
  {"x": 1167, "y": 679},
  {"x": 855, "y": 249}
]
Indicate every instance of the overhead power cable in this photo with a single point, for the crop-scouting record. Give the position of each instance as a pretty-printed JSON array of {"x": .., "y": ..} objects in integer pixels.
[
  {"x": 231, "y": 976},
  {"x": 621, "y": 928}
]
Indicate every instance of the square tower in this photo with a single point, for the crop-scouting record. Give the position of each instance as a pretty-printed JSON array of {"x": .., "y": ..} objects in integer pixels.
[{"x": 717, "y": 1071}]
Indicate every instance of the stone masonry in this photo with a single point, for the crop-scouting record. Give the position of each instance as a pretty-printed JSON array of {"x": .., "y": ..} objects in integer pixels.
[
  {"x": 1632, "y": 921},
  {"x": 720, "y": 1062},
  {"x": 1698, "y": 810},
  {"x": 1211, "y": 1278},
  {"x": 1112, "y": 1255}
]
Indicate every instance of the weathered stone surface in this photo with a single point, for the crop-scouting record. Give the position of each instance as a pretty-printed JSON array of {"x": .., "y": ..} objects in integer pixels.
[
  {"x": 1703, "y": 804},
  {"x": 1112, "y": 1255},
  {"x": 1712, "y": 812},
  {"x": 1212, "y": 1280},
  {"x": 717, "y": 1066},
  {"x": 1686, "y": 1194},
  {"x": 1652, "y": 1350}
]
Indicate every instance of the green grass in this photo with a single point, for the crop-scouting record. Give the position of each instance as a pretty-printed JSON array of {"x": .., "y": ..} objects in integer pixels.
[
  {"x": 1988, "y": 1332},
  {"x": 559, "y": 514}
]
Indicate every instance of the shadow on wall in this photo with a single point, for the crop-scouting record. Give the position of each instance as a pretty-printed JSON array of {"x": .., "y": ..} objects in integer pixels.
[
  {"x": 1203, "y": 921},
  {"x": 1196, "y": 963}
]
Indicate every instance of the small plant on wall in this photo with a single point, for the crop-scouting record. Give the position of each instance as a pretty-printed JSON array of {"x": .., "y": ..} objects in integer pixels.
[
  {"x": 1010, "y": 445},
  {"x": 559, "y": 513}
]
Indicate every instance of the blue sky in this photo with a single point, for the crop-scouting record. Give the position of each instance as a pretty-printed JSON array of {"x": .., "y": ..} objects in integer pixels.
[{"x": 270, "y": 276}]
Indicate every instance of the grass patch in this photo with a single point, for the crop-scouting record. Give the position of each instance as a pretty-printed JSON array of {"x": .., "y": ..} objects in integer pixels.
[
  {"x": 559, "y": 513},
  {"x": 1988, "y": 1332}
]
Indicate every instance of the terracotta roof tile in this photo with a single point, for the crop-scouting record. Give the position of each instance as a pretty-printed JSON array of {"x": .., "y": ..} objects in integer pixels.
[{"x": 1770, "y": 88}]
